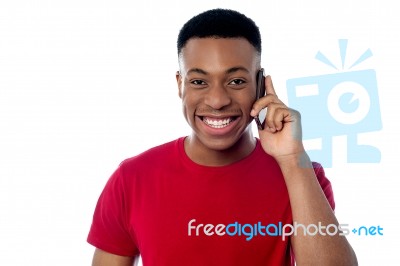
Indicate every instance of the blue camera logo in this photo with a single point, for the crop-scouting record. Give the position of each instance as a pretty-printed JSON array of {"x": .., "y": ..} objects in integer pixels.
[{"x": 344, "y": 103}]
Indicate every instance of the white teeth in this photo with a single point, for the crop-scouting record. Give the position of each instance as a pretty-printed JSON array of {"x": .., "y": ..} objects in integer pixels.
[{"x": 217, "y": 123}]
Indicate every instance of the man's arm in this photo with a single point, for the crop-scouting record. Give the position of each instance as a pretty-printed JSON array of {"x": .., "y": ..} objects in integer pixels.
[
  {"x": 310, "y": 206},
  {"x": 102, "y": 258},
  {"x": 282, "y": 139}
]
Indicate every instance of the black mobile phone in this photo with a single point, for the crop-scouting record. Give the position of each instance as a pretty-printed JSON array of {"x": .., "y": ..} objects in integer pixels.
[{"x": 260, "y": 93}]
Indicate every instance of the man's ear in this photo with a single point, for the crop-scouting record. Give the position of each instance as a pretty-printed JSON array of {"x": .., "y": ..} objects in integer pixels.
[{"x": 179, "y": 81}]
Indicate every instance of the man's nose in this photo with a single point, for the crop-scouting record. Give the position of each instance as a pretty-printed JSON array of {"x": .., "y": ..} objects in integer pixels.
[{"x": 217, "y": 97}]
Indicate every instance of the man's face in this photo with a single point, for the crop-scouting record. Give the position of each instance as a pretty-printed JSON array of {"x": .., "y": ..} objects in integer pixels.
[{"x": 217, "y": 85}]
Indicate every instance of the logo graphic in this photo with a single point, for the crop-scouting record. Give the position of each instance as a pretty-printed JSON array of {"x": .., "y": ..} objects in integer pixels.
[
  {"x": 368, "y": 231},
  {"x": 261, "y": 229},
  {"x": 344, "y": 103}
]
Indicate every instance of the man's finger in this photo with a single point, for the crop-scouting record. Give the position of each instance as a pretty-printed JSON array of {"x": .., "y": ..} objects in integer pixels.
[
  {"x": 269, "y": 87},
  {"x": 262, "y": 103}
]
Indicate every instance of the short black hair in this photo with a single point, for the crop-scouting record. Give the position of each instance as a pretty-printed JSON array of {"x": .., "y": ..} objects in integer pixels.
[{"x": 220, "y": 23}]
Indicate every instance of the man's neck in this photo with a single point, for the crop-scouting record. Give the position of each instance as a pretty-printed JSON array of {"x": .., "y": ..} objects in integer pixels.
[{"x": 202, "y": 155}]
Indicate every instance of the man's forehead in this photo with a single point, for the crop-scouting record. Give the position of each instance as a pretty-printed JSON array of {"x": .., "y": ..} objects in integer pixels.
[{"x": 225, "y": 51}]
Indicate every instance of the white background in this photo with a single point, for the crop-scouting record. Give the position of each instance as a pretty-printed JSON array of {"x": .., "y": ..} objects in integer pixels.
[{"x": 85, "y": 84}]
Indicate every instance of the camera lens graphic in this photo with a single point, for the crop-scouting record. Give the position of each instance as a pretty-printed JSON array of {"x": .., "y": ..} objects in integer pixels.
[{"x": 348, "y": 102}]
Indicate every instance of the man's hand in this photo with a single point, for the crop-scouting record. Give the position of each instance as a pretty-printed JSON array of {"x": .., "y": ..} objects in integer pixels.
[{"x": 281, "y": 136}]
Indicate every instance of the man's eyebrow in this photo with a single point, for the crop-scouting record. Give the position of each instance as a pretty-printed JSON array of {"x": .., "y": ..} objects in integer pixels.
[
  {"x": 197, "y": 70},
  {"x": 235, "y": 69},
  {"x": 229, "y": 71}
]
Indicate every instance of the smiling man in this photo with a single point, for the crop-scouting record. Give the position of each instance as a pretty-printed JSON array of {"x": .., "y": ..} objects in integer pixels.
[
  {"x": 217, "y": 84},
  {"x": 221, "y": 196}
]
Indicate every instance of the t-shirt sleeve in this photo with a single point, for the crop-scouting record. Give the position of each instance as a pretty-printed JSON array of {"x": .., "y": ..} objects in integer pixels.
[
  {"x": 325, "y": 183},
  {"x": 109, "y": 230}
]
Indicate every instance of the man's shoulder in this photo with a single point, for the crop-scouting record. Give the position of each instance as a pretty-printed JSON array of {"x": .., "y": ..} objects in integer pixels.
[{"x": 155, "y": 155}]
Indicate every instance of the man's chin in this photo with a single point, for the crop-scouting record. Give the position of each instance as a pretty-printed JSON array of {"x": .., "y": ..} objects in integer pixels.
[
  {"x": 220, "y": 146},
  {"x": 221, "y": 143}
]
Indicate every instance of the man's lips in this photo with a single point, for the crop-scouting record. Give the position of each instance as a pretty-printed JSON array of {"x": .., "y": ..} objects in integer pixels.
[{"x": 218, "y": 122}]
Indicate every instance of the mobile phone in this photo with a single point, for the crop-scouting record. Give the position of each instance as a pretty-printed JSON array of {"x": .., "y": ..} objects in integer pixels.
[{"x": 260, "y": 93}]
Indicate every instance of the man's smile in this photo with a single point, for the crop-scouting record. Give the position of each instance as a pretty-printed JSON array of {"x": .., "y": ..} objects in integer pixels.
[{"x": 218, "y": 122}]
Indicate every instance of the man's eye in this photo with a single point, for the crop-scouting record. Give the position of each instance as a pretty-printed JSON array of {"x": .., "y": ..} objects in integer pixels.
[
  {"x": 237, "y": 82},
  {"x": 197, "y": 82}
]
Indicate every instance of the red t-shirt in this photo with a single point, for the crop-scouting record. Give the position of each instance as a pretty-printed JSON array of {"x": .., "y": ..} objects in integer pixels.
[{"x": 148, "y": 205}]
